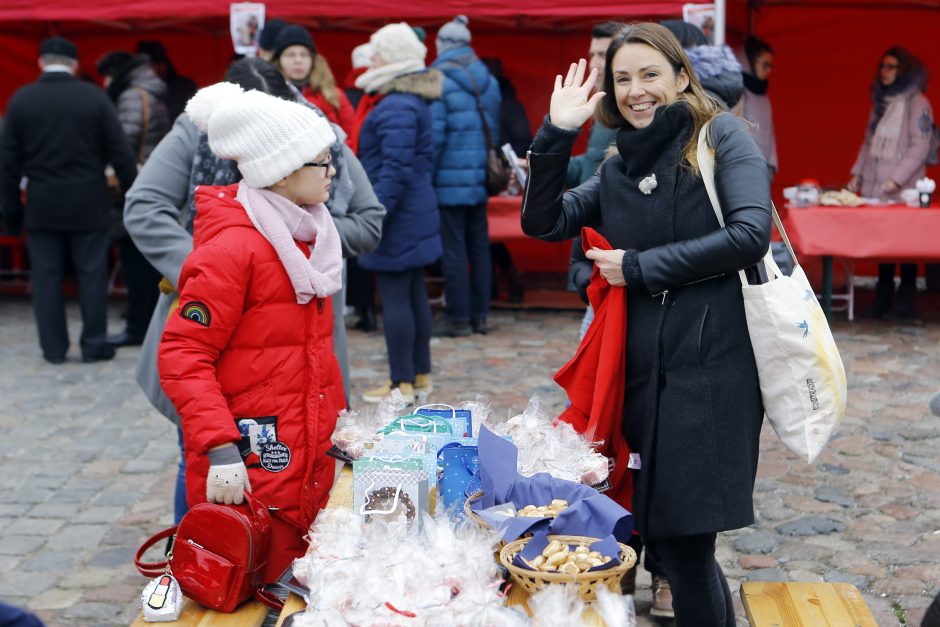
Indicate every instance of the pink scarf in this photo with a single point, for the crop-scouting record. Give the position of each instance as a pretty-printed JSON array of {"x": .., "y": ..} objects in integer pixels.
[{"x": 281, "y": 222}]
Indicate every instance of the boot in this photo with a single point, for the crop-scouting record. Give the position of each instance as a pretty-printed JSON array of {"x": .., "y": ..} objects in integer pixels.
[
  {"x": 377, "y": 395},
  {"x": 904, "y": 307},
  {"x": 366, "y": 321},
  {"x": 884, "y": 296},
  {"x": 423, "y": 384},
  {"x": 662, "y": 599}
]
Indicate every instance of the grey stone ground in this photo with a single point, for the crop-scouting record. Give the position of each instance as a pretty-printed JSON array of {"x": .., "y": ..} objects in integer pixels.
[{"x": 86, "y": 467}]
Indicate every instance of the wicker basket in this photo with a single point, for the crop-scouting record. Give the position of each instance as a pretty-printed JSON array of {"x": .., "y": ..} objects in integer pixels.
[
  {"x": 588, "y": 582},
  {"x": 472, "y": 515}
]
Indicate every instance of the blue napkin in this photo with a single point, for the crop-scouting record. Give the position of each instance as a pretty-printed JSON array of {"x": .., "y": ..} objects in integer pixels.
[{"x": 589, "y": 512}]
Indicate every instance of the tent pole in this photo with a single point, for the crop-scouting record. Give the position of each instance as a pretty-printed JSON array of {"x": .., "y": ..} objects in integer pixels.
[{"x": 720, "y": 13}]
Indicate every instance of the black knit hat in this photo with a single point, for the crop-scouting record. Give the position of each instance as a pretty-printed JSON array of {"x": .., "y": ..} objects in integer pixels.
[
  {"x": 113, "y": 63},
  {"x": 293, "y": 35},
  {"x": 59, "y": 46},
  {"x": 268, "y": 36}
]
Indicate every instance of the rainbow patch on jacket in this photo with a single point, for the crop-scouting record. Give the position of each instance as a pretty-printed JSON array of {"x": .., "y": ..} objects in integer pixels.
[{"x": 197, "y": 312}]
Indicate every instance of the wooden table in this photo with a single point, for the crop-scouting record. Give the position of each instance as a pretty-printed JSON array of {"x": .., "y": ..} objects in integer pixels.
[
  {"x": 801, "y": 604},
  {"x": 888, "y": 234}
]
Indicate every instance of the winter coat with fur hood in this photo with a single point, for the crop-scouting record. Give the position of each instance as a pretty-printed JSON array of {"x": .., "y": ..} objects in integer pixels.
[
  {"x": 245, "y": 364},
  {"x": 396, "y": 148}
]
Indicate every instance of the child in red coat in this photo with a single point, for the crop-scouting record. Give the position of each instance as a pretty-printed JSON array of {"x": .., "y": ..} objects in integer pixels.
[{"x": 247, "y": 356}]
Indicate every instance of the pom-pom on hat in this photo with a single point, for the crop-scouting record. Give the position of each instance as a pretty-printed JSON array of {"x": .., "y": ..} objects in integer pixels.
[
  {"x": 453, "y": 34},
  {"x": 396, "y": 43},
  {"x": 362, "y": 56},
  {"x": 270, "y": 138}
]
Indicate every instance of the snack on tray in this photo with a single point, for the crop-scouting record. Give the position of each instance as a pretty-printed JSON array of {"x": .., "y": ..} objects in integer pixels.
[
  {"x": 841, "y": 198},
  {"x": 544, "y": 511},
  {"x": 561, "y": 558}
]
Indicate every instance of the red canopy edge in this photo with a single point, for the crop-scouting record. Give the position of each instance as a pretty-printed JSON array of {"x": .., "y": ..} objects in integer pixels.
[{"x": 368, "y": 9}]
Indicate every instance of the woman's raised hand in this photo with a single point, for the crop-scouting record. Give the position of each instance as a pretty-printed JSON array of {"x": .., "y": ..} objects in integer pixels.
[{"x": 572, "y": 102}]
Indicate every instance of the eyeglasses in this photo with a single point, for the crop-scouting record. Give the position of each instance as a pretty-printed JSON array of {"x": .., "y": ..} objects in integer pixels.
[{"x": 326, "y": 165}]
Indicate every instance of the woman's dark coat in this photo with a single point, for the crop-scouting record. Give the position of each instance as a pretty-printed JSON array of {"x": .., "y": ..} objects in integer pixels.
[
  {"x": 693, "y": 408},
  {"x": 396, "y": 148}
]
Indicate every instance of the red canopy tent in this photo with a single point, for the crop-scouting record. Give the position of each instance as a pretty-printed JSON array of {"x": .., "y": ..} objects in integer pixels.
[{"x": 826, "y": 51}]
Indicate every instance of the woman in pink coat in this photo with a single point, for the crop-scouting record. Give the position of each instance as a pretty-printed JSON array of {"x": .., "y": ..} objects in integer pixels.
[{"x": 892, "y": 158}]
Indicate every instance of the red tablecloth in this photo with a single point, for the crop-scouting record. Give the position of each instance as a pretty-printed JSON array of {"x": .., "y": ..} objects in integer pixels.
[
  {"x": 888, "y": 233},
  {"x": 528, "y": 254}
]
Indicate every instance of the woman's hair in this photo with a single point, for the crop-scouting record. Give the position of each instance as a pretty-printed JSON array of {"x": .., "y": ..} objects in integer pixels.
[
  {"x": 254, "y": 73},
  {"x": 321, "y": 79},
  {"x": 702, "y": 106},
  {"x": 907, "y": 62}
]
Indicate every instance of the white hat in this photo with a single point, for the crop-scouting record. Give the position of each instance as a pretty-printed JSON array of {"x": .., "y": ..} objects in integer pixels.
[
  {"x": 270, "y": 138},
  {"x": 398, "y": 42},
  {"x": 362, "y": 56}
]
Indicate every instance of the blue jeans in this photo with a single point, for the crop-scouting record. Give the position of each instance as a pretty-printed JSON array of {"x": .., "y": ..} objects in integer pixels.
[
  {"x": 180, "y": 506},
  {"x": 466, "y": 240},
  {"x": 406, "y": 317}
]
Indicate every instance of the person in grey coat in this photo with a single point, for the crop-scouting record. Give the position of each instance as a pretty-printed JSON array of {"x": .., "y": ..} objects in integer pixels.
[
  {"x": 693, "y": 411},
  {"x": 159, "y": 214}
]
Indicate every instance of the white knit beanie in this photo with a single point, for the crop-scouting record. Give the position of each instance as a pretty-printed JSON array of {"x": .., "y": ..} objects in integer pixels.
[
  {"x": 453, "y": 34},
  {"x": 396, "y": 43},
  {"x": 270, "y": 138}
]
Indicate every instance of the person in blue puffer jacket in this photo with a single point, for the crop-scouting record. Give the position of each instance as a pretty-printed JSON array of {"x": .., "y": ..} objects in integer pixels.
[
  {"x": 460, "y": 176},
  {"x": 396, "y": 147}
]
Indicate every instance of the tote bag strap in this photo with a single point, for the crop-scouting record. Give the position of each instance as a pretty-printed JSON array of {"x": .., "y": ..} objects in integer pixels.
[{"x": 706, "y": 165}]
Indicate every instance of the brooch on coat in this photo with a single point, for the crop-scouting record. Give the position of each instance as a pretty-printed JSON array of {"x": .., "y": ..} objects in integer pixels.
[{"x": 648, "y": 184}]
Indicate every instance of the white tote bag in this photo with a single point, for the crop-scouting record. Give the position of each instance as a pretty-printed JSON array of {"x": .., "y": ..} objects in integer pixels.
[{"x": 802, "y": 379}]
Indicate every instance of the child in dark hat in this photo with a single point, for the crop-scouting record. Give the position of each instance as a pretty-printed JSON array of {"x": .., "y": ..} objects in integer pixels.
[{"x": 296, "y": 56}]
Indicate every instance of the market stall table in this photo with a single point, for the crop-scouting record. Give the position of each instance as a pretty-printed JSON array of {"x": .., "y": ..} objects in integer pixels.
[
  {"x": 341, "y": 496},
  {"x": 893, "y": 234}
]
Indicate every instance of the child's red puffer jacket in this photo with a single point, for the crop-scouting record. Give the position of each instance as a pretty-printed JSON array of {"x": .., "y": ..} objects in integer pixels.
[{"x": 245, "y": 364}]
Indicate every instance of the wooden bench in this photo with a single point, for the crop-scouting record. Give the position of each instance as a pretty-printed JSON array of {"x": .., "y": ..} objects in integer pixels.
[{"x": 805, "y": 604}]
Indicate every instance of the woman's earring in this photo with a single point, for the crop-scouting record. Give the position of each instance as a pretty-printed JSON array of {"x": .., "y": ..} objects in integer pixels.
[{"x": 648, "y": 184}]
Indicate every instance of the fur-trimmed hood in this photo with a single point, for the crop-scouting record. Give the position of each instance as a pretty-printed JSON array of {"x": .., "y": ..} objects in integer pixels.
[{"x": 427, "y": 84}]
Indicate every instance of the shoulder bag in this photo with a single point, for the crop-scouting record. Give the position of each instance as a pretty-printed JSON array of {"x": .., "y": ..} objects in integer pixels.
[
  {"x": 497, "y": 171},
  {"x": 802, "y": 378}
]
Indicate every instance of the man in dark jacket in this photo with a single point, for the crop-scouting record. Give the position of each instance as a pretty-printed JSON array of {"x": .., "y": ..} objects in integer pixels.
[
  {"x": 460, "y": 146},
  {"x": 60, "y": 135}
]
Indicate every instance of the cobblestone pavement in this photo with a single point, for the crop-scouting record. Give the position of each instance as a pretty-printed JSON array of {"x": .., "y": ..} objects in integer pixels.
[{"x": 86, "y": 467}]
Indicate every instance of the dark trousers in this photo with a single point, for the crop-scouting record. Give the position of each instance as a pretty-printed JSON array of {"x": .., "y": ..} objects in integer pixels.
[
  {"x": 360, "y": 286},
  {"x": 49, "y": 254},
  {"x": 466, "y": 240},
  {"x": 406, "y": 314},
  {"x": 908, "y": 273},
  {"x": 700, "y": 593},
  {"x": 636, "y": 543},
  {"x": 142, "y": 281}
]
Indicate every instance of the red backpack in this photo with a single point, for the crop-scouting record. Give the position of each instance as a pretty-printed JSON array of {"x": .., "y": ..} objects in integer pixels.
[{"x": 218, "y": 554}]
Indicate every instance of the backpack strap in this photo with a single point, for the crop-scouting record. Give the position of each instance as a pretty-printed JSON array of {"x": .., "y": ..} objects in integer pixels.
[{"x": 154, "y": 569}]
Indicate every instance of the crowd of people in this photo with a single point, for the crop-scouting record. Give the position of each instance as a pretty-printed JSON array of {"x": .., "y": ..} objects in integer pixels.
[{"x": 240, "y": 206}]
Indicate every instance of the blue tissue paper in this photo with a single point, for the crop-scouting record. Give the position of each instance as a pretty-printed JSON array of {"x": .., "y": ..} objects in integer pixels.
[{"x": 589, "y": 513}]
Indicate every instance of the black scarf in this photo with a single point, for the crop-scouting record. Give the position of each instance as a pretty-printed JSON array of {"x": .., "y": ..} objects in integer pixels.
[
  {"x": 754, "y": 84},
  {"x": 641, "y": 149}
]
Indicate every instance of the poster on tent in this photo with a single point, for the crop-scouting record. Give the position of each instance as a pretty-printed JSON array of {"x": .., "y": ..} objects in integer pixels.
[
  {"x": 246, "y": 19},
  {"x": 703, "y": 16}
]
